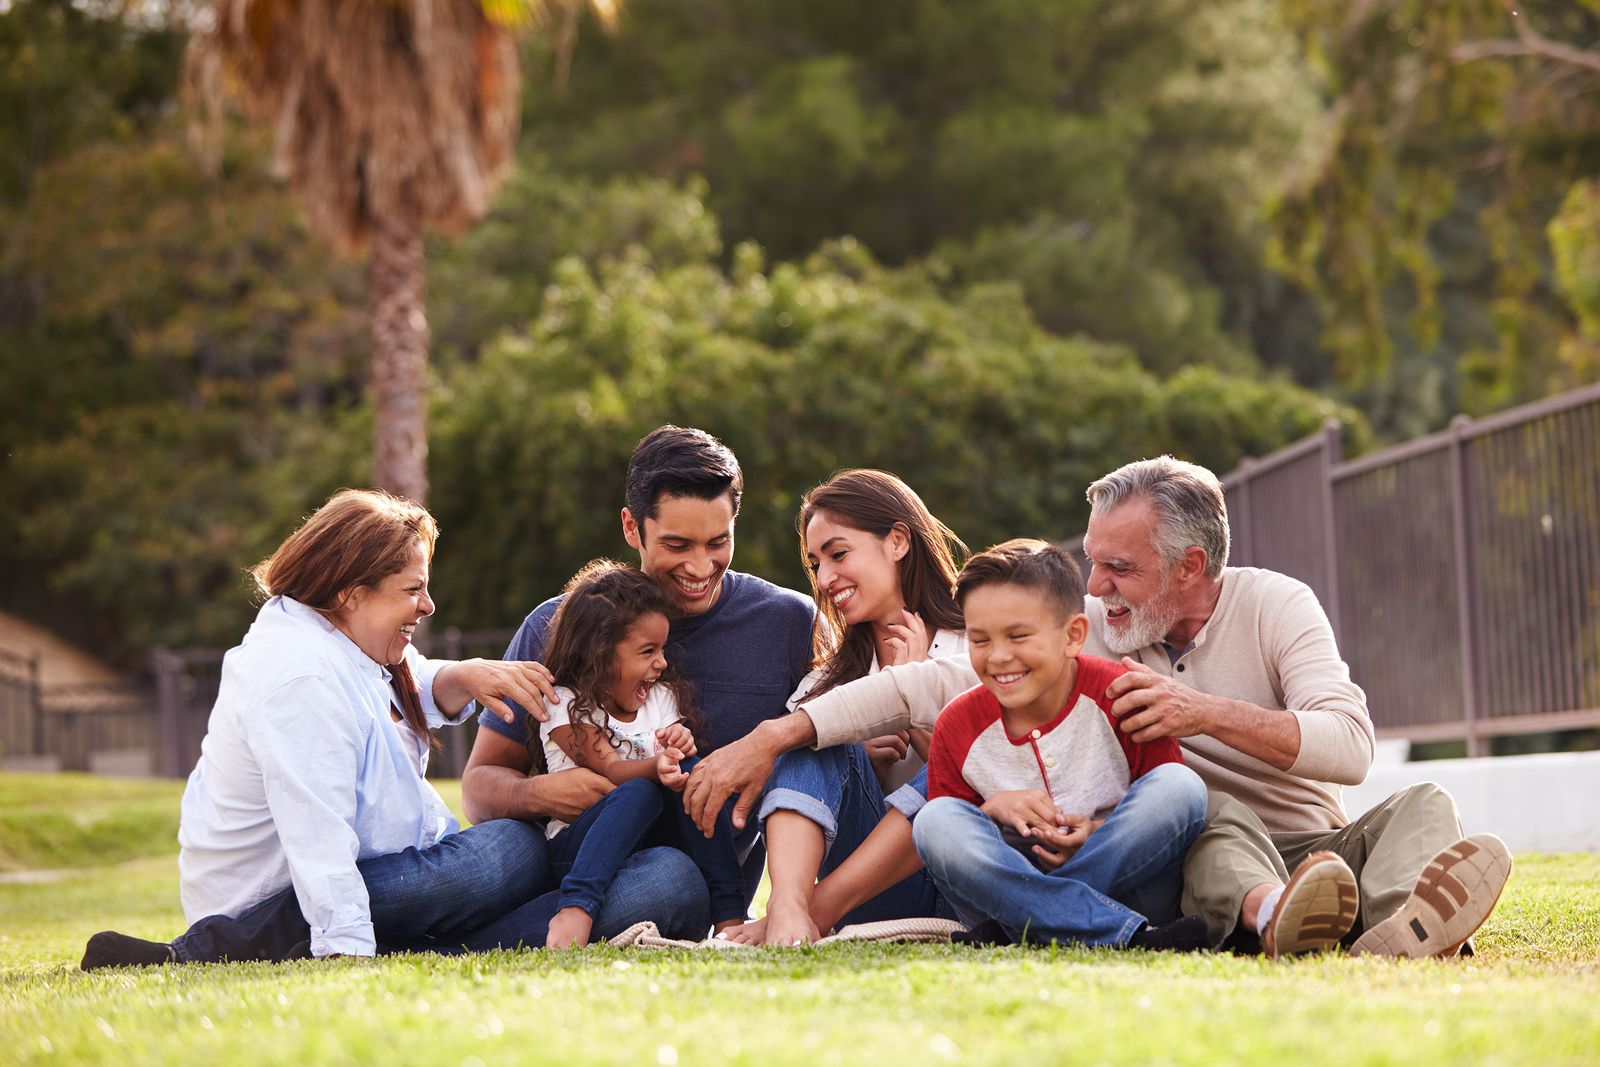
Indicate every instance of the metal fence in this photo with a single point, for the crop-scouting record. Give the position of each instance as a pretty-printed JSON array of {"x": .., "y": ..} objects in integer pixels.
[{"x": 1461, "y": 571}]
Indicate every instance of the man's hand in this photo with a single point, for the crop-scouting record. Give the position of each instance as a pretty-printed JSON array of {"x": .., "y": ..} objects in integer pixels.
[
  {"x": 909, "y": 640},
  {"x": 676, "y": 735},
  {"x": 1023, "y": 810},
  {"x": 741, "y": 767},
  {"x": 565, "y": 795},
  {"x": 491, "y": 681},
  {"x": 886, "y": 751},
  {"x": 1152, "y": 706}
]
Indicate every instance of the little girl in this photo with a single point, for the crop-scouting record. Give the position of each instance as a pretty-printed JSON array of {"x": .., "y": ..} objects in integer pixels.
[{"x": 622, "y": 714}]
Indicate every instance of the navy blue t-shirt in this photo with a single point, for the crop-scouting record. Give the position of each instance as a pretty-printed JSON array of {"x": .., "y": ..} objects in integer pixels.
[{"x": 744, "y": 657}]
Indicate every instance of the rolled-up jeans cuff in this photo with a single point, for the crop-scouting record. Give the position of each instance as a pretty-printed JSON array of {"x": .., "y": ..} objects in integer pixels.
[
  {"x": 906, "y": 800},
  {"x": 801, "y": 804}
]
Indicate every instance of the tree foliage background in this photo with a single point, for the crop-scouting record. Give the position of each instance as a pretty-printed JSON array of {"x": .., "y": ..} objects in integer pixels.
[{"x": 997, "y": 248}]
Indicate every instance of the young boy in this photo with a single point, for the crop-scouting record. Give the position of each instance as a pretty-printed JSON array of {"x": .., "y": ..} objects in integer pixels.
[{"x": 1032, "y": 759}]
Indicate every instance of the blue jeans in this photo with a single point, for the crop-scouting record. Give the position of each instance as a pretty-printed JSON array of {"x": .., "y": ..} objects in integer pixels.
[
  {"x": 1127, "y": 873},
  {"x": 476, "y": 889},
  {"x": 588, "y": 854},
  {"x": 837, "y": 789}
]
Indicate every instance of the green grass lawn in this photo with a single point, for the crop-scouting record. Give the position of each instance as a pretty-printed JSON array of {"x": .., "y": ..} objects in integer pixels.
[{"x": 1531, "y": 996}]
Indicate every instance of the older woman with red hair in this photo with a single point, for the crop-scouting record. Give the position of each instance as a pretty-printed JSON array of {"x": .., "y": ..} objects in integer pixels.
[{"x": 308, "y": 827}]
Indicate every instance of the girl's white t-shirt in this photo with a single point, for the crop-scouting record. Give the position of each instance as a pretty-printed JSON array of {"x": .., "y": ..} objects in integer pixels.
[{"x": 633, "y": 740}]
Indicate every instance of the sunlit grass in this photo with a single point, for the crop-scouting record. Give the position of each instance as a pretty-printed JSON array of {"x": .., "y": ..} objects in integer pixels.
[{"x": 1530, "y": 996}]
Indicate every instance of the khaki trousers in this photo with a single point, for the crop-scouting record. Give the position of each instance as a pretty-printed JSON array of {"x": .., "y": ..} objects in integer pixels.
[{"x": 1387, "y": 849}]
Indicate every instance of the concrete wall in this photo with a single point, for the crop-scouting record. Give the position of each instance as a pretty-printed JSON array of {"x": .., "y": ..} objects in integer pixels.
[{"x": 1543, "y": 803}]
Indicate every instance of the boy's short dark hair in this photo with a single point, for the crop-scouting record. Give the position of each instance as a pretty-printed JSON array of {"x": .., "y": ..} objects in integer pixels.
[
  {"x": 680, "y": 461},
  {"x": 1028, "y": 562}
]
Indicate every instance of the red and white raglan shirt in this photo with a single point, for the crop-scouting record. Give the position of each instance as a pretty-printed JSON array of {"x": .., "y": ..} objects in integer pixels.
[{"x": 1079, "y": 757}]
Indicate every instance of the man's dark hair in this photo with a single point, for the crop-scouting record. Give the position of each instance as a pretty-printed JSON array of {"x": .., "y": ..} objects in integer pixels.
[
  {"x": 680, "y": 461},
  {"x": 1027, "y": 562}
]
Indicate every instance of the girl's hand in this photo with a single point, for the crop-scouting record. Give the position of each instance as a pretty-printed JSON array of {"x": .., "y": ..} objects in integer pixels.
[
  {"x": 676, "y": 736},
  {"x": 669, "y": 771},
  {"x": 909, "y": 639},
  {"x": 1027, "y": 811}
]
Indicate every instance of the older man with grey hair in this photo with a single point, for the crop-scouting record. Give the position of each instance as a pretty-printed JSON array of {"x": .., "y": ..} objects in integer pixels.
[{"x": 1241, "y": 665}]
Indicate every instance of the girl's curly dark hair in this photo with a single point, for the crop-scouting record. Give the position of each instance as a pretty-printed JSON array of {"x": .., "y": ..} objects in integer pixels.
[{"x": 597, "y": 607}]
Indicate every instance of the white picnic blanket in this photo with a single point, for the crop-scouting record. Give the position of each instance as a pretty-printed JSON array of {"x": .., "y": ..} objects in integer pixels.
[{"x": 646, "y": 934}]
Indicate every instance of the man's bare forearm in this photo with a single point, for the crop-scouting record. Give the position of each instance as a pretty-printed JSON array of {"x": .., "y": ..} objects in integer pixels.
[
  {"x": 490, "y": 792},
  {"x": 786, "y": 733}
]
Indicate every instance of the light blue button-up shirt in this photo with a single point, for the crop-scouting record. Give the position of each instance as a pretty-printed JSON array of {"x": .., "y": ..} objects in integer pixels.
[{"x": 303, "y": 771}]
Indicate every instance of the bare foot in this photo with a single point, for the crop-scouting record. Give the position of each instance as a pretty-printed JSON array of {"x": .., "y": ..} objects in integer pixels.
[
  {"x": 753, "y": 932},
  {"x": 569, "y": 929},
  {"x": 789, "y": 922}
]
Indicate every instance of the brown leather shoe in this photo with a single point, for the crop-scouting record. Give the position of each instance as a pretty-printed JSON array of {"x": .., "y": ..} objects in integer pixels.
[
  {"x": 1455, "y": 894},
  {"x": 1317, "y": 908}
]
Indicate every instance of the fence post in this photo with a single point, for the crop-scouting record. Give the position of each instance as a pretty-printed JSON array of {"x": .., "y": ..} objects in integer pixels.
[
  {"x": 36, "y": 699},
  {"x": 1332, "y": 455},
  {"x": 1240, "y": 554},
  {"x": 168, "y": 671},
  {"x": 1466, "y": 602},
  {"x": 455, "y": 749}
]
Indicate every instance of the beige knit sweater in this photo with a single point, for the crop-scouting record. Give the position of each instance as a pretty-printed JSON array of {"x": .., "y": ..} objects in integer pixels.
[{"x": 1268, "y": 642}]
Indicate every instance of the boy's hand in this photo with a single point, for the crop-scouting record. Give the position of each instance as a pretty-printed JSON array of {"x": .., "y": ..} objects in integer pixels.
[
  {"x": 1023, "y": 810},
  {"x": 669, "y": 771},
  {"x": 1061, "y": 842},
  {"x": 676, "y": 736}
]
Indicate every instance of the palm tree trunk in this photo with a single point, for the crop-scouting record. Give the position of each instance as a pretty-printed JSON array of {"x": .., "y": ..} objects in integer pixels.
[{"x": 399, "y": 359}]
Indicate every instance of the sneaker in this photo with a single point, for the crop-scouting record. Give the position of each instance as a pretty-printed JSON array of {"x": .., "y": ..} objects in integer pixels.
[
  {"x": 1317, "y": 908},
  {"x": 1188, "y": 934},
  {"x": 1455, "y": 894}
]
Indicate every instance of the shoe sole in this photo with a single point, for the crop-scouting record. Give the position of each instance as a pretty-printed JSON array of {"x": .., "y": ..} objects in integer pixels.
[
  {"x": 1454, "y": 896},
  {"x": 1318, "y": 907}
]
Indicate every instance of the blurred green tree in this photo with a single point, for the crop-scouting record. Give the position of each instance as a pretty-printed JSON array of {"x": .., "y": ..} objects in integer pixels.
[
  {"x": 802, "y": 368},
  {"x": 390, "y": 119},
  {"x": 1425, "y": 213},
  {"x": 1114, "y": 158}
]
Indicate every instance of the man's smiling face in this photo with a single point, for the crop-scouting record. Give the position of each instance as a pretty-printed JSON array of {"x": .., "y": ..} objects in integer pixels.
[{"x": 686, "y": 546}]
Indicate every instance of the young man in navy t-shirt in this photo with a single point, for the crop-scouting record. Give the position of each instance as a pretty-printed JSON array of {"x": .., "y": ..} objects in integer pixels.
[{"x": 744, "y": 643}]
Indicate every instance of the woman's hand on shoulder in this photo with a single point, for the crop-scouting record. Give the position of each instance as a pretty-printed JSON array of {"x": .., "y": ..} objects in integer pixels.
[
  {"x": 491, "y": 682},
  {"x": 910, "y": 639}
]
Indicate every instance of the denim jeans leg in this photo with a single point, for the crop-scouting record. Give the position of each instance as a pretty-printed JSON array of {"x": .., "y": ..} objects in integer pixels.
[
  {"x": 275, "y": 930},
  {"x": 982, "y": 875},
  {"x": 588, "y": 854},
  {"x": 1136, "y": 856},
  {"x": 458, "y": 884},
  {"x": 814, "y": 783},
  {"x": 716, "y": 856},
  {"x": 661, "y": 885}
]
